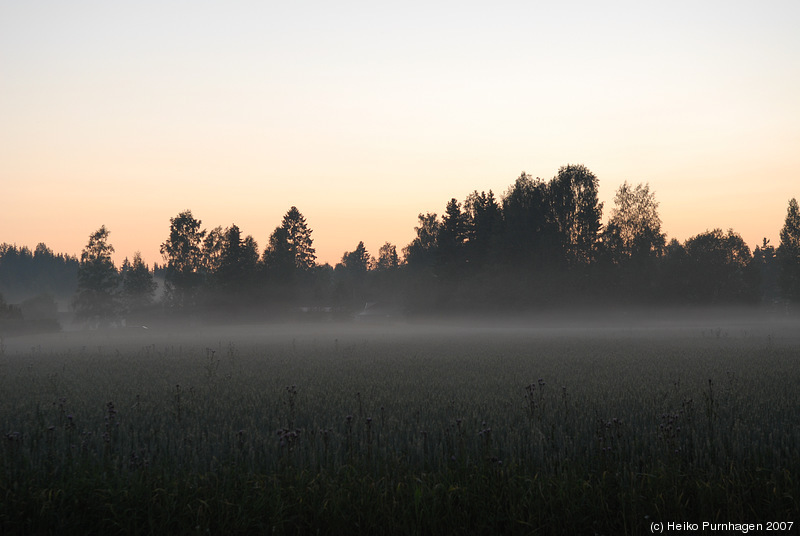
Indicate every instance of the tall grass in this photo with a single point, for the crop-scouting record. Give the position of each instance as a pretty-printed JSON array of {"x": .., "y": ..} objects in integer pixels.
[{"x": 459, "y": 432}]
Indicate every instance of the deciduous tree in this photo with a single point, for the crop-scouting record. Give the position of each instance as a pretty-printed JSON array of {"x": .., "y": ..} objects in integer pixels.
[
  {"x": 789, "y": 253},
  {"x": 98, "y": 279},
  {"x": 576, "y": 213},
  {"x": 528, "y": 231},
  {"x": 212, "y": 250},
  {"x": 717, "y": 264},
  {"x": 183, "y": 253},
  {"x": 421, "y": 252},
  {"x": 387, "y": 258},
  {"x": 634, "y": 229}
]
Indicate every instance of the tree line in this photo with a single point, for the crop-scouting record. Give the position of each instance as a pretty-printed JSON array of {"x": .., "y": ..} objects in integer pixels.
[
  {"x": 540, "y": 245},
  {"x": 32, "y": 280}
]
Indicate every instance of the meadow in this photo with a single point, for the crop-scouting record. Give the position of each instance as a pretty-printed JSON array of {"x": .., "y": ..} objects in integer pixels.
[{"x": 447, "y": 428}]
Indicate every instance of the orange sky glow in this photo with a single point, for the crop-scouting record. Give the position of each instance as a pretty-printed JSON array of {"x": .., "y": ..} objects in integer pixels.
[{"x": 365, "y": 114}]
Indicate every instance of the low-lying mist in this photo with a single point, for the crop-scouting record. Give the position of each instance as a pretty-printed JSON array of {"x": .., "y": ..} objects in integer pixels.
[{"x": 734, "y": 324}]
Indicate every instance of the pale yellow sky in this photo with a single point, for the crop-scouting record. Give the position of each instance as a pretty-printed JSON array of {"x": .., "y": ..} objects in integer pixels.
[{"x": 365, "y": 114}]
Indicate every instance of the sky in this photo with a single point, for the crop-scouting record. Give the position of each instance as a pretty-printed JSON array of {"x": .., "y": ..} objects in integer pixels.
[{"x": 365, "y": 114}]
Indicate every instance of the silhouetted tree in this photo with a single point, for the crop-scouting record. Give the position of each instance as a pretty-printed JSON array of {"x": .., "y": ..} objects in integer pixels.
[
  {"x": 717, "y": 263},
  {"x": 98, "y": 279},
  {"x": 184, "y": 257},
  {"x": 386, "y": 278},
  {"x": 634, "y": 229},
  {"x": 249, "y": 256},
  {"x": 238, "y": 260},
  {"x": 350, "y": 276},
  {"x": 576, "y": 213},
  {"x": 138, "y": 286},
  {"x": 483, "y": 222},
  {"x": 528, "y": 230},
  {"x": 298, "y": 237},
  {"x": 451, "y": 240},
  {"x": 765, "y": 263},
  {"x": 387, "y": 258},
  {"x": 420, "y": 284},
  {"x": 358, "y": 261},
  {"x": 212, "y": 250},
  {"x": 279, "y": 259},
  {"x": 289, "y": 263},
  {"x": 422, "y": 251},
  {"x": 789, "y": 253},
  {"x": 633, "y": 241}
]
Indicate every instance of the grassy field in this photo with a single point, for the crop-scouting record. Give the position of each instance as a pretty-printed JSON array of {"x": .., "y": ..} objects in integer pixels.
[{"x": 439, "y": 429}]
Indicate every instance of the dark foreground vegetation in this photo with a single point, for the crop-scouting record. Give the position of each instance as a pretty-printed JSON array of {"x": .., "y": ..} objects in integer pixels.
[{"x": 541, "y": 428}]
